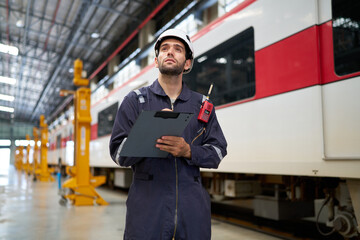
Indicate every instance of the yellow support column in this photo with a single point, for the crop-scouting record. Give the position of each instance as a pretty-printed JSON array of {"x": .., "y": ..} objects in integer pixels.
[
  {"x": 43, "y": 173},
  {"x": 36, "y": 151},
  {"x": 19, "y": 155},
  {"x": 27, "y": 166},
  {"x": 82, "y": 183}
]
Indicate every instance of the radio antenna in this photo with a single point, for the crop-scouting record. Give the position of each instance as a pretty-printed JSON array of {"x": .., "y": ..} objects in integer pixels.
[{"x": 210, "y": 89}]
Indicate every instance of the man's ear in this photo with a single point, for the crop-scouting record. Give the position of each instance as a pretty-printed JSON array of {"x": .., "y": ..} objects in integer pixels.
[
  {"x": 187, "y": 64},
  {"x": 156, "y": 62}
]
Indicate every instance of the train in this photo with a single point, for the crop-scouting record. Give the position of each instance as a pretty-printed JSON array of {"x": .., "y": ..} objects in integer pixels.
[{"x": 286, "y": 78}]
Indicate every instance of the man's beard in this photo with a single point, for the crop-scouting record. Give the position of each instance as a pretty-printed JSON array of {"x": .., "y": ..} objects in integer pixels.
[{"x": 175, "y": 71}]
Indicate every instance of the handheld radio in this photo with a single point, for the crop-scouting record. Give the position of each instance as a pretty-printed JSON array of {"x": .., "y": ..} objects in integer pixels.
[{"x": 206, "y": 108}]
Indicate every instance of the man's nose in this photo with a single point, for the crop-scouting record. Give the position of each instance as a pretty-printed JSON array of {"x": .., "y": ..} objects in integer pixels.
[{"x": 170, "y": 51}]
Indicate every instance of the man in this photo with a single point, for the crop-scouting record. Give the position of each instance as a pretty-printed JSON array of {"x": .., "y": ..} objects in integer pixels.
[{"x": 166, "y": 199}]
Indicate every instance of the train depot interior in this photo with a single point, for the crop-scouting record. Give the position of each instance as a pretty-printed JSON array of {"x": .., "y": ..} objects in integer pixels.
[{"x": 285, "y": 83}]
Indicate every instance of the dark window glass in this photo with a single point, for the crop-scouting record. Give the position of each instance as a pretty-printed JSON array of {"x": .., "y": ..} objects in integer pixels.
[
  {"x": 346, "y": 32},
  {"x": 106, "y": 120},
  {"x": 58, "y": 141},
  {"x": 230, "y": 66}
]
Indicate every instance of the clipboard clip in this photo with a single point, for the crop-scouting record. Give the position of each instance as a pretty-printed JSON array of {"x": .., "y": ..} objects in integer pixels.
[{"x": 166, "y": 114}]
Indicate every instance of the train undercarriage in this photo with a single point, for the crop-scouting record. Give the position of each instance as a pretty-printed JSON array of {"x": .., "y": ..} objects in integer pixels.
[{"x": 328, "y": 206}]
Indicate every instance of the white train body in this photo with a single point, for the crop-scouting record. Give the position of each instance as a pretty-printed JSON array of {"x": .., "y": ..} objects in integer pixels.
[
  {"x": 310, "y": 129},
  {"x": 303, "y": 118}
]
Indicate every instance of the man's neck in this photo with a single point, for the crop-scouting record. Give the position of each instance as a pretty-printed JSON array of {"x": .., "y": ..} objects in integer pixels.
[{"x": 172, "y": 85}]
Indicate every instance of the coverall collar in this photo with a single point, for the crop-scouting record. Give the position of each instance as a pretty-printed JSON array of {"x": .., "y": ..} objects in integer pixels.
[{"x": 158, "y": 90}]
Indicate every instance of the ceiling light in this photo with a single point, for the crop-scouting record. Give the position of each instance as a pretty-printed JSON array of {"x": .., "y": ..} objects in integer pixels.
[
  {"x": 95, "y": 35},
  {"x": 5, "y": 142},
  {"x": 7, "y": 97},
  {"x": 221, "y": 60},
  {"x": 201, "y": 59},
  {"x": 6, "y": 109},
  {"x": 9, "y": 49},
  {"x": 7, "y": 80},
  {"x": 20, "y": 23},
  {"x": 23, "y": 143}
]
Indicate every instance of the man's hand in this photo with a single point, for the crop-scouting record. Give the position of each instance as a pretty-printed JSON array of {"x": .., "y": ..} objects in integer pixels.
[{"x": 174, "y": 145}]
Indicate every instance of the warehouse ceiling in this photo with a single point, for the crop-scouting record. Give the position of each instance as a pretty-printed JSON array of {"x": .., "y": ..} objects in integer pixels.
[{"x": 50, "y": 35}]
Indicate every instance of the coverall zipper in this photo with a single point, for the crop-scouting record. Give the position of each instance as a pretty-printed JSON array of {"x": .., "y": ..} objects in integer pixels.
[
  {"x": 177, "y": 197},
  {"x": 176, "y": 186},
  {"x": 202, "y": 130}
]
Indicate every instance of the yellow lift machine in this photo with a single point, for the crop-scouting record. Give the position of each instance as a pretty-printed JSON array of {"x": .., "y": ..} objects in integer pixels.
[
  {"x": 44, "y": 172},
  {"x": 27, "y": 166},
  {"x": 82, "y": 184},
  {"x": 19, "y": 156},
  {"x": 36, "y": 152}
]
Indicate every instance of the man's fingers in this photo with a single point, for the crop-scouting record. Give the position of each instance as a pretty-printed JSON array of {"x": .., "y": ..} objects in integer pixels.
[
  {"x": 169, "y": 140},
  {"x": 174, "y": 145}
]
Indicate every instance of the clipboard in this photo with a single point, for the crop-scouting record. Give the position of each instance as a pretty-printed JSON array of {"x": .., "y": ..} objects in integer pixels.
[{"x": 150, "y": 126}]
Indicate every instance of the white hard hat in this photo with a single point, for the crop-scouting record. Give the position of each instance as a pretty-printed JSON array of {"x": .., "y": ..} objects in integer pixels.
[{"x": 183, "y": 37}]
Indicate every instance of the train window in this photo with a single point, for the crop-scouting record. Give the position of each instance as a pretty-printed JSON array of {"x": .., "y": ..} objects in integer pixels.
[
  {"x": 346, "y": 33},
  {"x": 106, "y": 120},
  {"x": 230, "y": 66},
  {"x": 58, "y": 141}
]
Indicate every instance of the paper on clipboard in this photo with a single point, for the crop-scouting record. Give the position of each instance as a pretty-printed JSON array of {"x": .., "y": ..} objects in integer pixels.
[{"x": 150, "y": 126}]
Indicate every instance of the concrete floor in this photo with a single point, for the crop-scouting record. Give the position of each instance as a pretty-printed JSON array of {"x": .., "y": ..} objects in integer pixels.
[{"x": 31, "y": 210}]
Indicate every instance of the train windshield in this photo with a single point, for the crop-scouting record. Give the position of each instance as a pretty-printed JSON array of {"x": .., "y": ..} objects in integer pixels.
[
  {"x": 346, "y": 32},
  {"x": 230, "y": 66}
]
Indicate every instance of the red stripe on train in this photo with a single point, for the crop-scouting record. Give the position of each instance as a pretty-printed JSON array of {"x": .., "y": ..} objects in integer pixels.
[
  {"x": 290, "y": 64},
  {"x": 302, "y": 60},
  {"x": 94, "y": 129}
]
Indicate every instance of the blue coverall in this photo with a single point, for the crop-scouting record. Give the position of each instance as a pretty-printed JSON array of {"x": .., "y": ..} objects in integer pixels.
[{"x": 166, "y": 198}]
